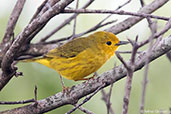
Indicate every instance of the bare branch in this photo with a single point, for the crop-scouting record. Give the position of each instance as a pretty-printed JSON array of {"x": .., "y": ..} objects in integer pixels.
[
  {"x": 75, "y": 21},
  {"x": 16, "y": 102},
  {"x": 122, "y": 60},
  {"x": 121, "y": 12},
  {"x": 127, "y": 52},
  {"x": 13, "y": 20},
  {"x": 106, "y": 99},
  {"x": 128, "y": 87}
]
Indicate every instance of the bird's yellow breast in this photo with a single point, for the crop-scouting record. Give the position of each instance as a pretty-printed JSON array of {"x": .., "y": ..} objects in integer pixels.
[{"x": 80, "y": 66}]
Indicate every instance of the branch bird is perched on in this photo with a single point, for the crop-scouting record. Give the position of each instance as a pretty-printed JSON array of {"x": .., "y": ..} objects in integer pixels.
[{"x": 82, "y": 56}]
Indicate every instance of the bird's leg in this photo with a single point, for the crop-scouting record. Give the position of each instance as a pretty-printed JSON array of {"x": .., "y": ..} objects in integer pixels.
[
  {"x": 95, "y": 74},
  {"x": 62, "y": 82},
  {"x": 64, "y": 88}
]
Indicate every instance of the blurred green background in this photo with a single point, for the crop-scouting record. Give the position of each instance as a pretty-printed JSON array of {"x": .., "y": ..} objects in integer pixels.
[{"x": 158, "y": 92}]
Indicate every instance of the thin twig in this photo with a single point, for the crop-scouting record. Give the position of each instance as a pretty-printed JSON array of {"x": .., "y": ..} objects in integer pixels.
[
  {"x": 156, "y": 35},
  {"x": 153, "y": 28},
  {"x": 35, "y": 96},
  {"x": 106, "y": 99},
  {"x": 122, "y": 60},
  {"x": 75, "y": 21},
  {"x": 145, "y": 80},
  {"x": 65, "y": 22},
  {"x": 86, "y": 99},
  {"x": 134, "y": 50},
  {"x": 39, "y": 9},
  {"x": 127, "y": 52},
  {"x": 124, "y": 4},
  {"x": 84, "y": 110},
  {"x": 100, "y": 23},
  {"x": 21, "y": 102},
  {"x": 16, "y": 102},
  {"x": 121, "y": 12},
  {"x": 97, "y": 26},
  {"x": 109, "y": 97},
  {"x": 62, "y": 82},
  {"x": 35, "y": 93}
]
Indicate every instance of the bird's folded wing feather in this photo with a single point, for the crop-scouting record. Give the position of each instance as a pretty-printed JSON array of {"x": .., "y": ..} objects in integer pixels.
[{"x": 70, "y": 49}]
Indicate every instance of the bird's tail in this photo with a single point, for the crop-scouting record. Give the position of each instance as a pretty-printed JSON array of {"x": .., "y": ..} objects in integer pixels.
[{"x": 43, "y": 60}]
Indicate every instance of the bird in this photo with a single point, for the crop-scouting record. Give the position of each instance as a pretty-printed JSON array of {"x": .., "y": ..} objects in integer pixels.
[{"x": 82, "y": 56}]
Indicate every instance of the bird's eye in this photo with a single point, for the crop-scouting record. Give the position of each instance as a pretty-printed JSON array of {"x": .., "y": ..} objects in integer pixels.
[{"x": 109, "y": 43}]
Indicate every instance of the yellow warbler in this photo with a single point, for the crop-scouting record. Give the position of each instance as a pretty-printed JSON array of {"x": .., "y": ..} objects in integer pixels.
[{"x": 82, "y": 56}]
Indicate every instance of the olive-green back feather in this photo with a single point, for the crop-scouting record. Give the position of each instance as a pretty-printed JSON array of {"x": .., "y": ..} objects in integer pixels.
[{"x": 70, "y": 49}]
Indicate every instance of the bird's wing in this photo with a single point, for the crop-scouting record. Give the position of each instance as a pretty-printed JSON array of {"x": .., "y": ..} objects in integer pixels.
[{"x": 70, "y": 49}]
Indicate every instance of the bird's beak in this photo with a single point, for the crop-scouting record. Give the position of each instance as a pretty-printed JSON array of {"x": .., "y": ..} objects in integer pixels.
[{"x": 121, "y": 43}]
